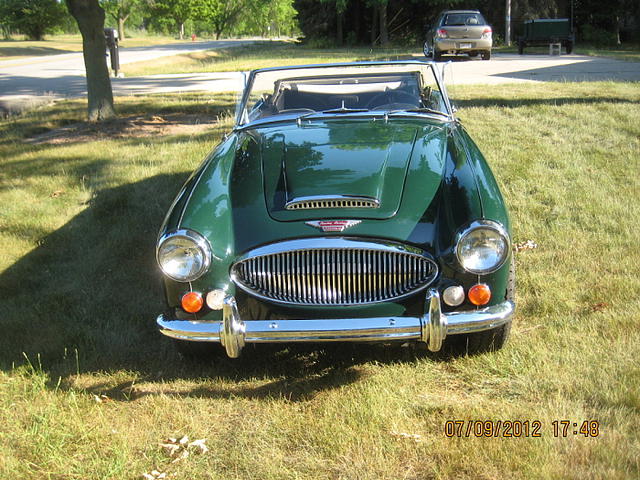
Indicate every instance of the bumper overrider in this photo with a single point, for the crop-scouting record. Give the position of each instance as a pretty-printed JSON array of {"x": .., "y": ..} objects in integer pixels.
[{"x": 432, "y": 328}]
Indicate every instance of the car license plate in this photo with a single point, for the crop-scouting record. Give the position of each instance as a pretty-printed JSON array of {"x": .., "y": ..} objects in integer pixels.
[{"x": 465, "y": 45}]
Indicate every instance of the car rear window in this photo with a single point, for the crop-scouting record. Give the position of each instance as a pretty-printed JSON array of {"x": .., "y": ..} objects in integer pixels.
[{"x": 452, "y": 19}]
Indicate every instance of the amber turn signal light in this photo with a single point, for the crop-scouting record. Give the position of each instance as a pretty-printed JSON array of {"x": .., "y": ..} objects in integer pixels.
[
  {"x": 192, "y": 302},
  {"x": 480, "y": 294}
]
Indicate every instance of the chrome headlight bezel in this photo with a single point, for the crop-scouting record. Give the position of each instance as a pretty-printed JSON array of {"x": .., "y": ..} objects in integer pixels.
[
  {"x": 199, "y": 242},
  {"x": 474, "y": 226}
]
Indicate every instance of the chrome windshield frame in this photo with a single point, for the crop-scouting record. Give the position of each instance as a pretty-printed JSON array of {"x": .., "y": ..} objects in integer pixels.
[{"x": 243, "y": 122}]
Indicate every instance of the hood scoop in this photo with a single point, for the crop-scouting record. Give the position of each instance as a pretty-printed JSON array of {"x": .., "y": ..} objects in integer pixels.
[
  {"x": 332, "y": 201},
  {"x": 336, "y": 169}
]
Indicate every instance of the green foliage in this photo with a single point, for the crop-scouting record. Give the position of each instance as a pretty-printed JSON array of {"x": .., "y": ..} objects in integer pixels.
[
  {"x": 274, "y": 18},
  {"x": 245, "y": 17},
  {"x": 34, "y": 18},
  {"x": 220, "y": 14},
  {"x": 171, "y": 14},
  {"x": 597, "y": 36},
  {"x": 122, "y": 10}
]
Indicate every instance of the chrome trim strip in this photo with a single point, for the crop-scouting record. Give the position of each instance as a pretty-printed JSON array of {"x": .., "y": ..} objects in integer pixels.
[
  {"x": 234, "y": 333},
  {"x": 332, "y": 201},
  {"x": 330, "y": 243}
]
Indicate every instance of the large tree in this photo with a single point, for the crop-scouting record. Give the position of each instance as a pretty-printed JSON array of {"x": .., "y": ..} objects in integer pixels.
[
  {"x": 221, "y": 14},
  {"x": 120, "y": 11},
  {"x": 178, "y": 10},
  {"x": 34, "y": 18},
  {"x": 90, "y": 18}
]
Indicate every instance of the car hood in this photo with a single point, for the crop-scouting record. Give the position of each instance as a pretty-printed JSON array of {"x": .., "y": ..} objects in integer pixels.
[
  {"x": 366, "y": 159},
  {"x": 424, "y": 179}
]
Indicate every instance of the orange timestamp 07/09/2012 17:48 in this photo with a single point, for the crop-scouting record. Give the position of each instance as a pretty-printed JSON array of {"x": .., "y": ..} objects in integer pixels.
[{"x": 521, "y": 428}]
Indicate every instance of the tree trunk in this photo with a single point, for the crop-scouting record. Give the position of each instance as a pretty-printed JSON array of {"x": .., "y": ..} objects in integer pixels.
[
  {"x": 90, "y": 18},
  {"x": 181, "y": 30},
  {"x": 374, "y": 24},
  {"x": 339, "y": 32},
  {"x": 384, "y": 32},
  {"x": 121, "y": 21}
]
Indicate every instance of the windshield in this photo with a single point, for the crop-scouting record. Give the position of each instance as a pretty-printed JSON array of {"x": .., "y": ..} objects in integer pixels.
[{"x": 341, "y": 89}]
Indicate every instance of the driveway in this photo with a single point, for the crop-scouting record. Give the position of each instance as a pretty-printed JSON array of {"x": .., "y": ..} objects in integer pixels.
[
  {"x": 63, "y": 75},
  {"x": 513, "y": 68},
  {"x": 54, "y": 76}
]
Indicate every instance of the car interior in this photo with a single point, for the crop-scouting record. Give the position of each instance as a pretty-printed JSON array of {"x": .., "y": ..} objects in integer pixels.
[{"x": 346, "y": 93}]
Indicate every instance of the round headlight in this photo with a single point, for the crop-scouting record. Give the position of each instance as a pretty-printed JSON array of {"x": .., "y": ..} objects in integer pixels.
[
  {"x": 184, "y": 255},
  {"x": 482, "y": 247}
]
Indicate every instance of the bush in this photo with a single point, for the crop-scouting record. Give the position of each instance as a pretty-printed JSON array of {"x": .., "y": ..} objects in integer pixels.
[{"x": 597, "y": 36}]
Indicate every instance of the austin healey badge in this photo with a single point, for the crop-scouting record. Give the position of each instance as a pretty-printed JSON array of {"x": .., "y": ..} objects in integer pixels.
[{"x": 333, "y": 225}]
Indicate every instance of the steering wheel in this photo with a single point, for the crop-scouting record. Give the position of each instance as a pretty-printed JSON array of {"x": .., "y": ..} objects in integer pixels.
[{"x": 392, "y": 98}]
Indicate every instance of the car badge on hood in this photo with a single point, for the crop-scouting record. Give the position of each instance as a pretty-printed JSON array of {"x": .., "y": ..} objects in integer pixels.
[{"x": 333, "y": 225}]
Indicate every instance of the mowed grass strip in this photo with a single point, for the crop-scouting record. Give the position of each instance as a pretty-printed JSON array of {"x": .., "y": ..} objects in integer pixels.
[
  {"x": 97, "y": 389},
  {"x": 57, "y": 44},
  {"x": 260, "y": 55}
]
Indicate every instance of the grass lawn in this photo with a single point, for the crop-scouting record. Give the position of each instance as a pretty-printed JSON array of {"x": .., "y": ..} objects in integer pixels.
[
  {"x": 54, "y": 45},
  {"x": 261, "y": 54},
  {"x": 276, "y": 53},
  {"x": 97, "y": 389}
]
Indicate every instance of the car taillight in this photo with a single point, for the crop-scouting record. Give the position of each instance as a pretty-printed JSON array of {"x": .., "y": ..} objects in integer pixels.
[
  {"x": 486, "y": 33},
  {"x": 442, "y": 33}
]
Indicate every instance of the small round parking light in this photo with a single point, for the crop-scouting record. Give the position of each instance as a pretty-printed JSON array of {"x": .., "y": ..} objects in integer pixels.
[
  {"x": 480, "y": 294},
  {"x": 192, "y": 302},
  {"x": 215, "y": 299},
  {"x": 453, "y": 296}
]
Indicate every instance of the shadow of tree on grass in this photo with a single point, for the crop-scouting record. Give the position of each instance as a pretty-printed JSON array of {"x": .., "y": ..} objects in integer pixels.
[{"x": 85, "y": 300}]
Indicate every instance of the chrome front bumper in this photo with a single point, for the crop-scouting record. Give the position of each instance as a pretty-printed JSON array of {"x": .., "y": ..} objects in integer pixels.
[{"x": 432, "y": 328}]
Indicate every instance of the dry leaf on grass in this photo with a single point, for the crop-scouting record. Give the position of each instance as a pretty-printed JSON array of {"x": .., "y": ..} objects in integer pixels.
[
  {"x": 101, "y": 398},
  {"x": 528, "y": 245},
  {"x": 599, "y": 307},
  {"x": 154, "y": 475},
  {"x": 57, "y": 194},
  {"x": 179, "y": 449},
  {"x": 410, "y": 436}
]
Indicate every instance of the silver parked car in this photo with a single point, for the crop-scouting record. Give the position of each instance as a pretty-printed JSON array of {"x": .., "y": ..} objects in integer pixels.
[{"x": 459, "y": 31}]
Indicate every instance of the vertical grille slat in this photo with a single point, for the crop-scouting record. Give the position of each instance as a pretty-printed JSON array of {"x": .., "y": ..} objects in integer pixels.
[{"x": 335, "y": 276}]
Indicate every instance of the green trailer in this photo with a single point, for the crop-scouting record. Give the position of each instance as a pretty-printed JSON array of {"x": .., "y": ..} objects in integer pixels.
[{"x": 544, "y": 31}]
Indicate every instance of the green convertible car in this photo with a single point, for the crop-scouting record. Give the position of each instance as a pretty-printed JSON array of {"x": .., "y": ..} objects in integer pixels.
[{"x": 348, "y": 204}]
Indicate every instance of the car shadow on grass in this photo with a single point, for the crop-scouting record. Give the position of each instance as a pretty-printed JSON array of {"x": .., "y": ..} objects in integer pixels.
[
  {"x": 535, "y": 102},
  {"x": 84, "y": 301}
]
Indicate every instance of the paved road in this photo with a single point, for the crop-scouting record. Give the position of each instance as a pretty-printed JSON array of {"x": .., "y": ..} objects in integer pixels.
[
  {"x": 63, "y": 75},
  {"x": 513, "y": 68}
]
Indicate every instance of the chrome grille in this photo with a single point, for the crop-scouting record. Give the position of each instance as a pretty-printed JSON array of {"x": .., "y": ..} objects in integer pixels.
[
  {"x": 335, "y": 276},
  {"x": 332, "y": 202}
]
